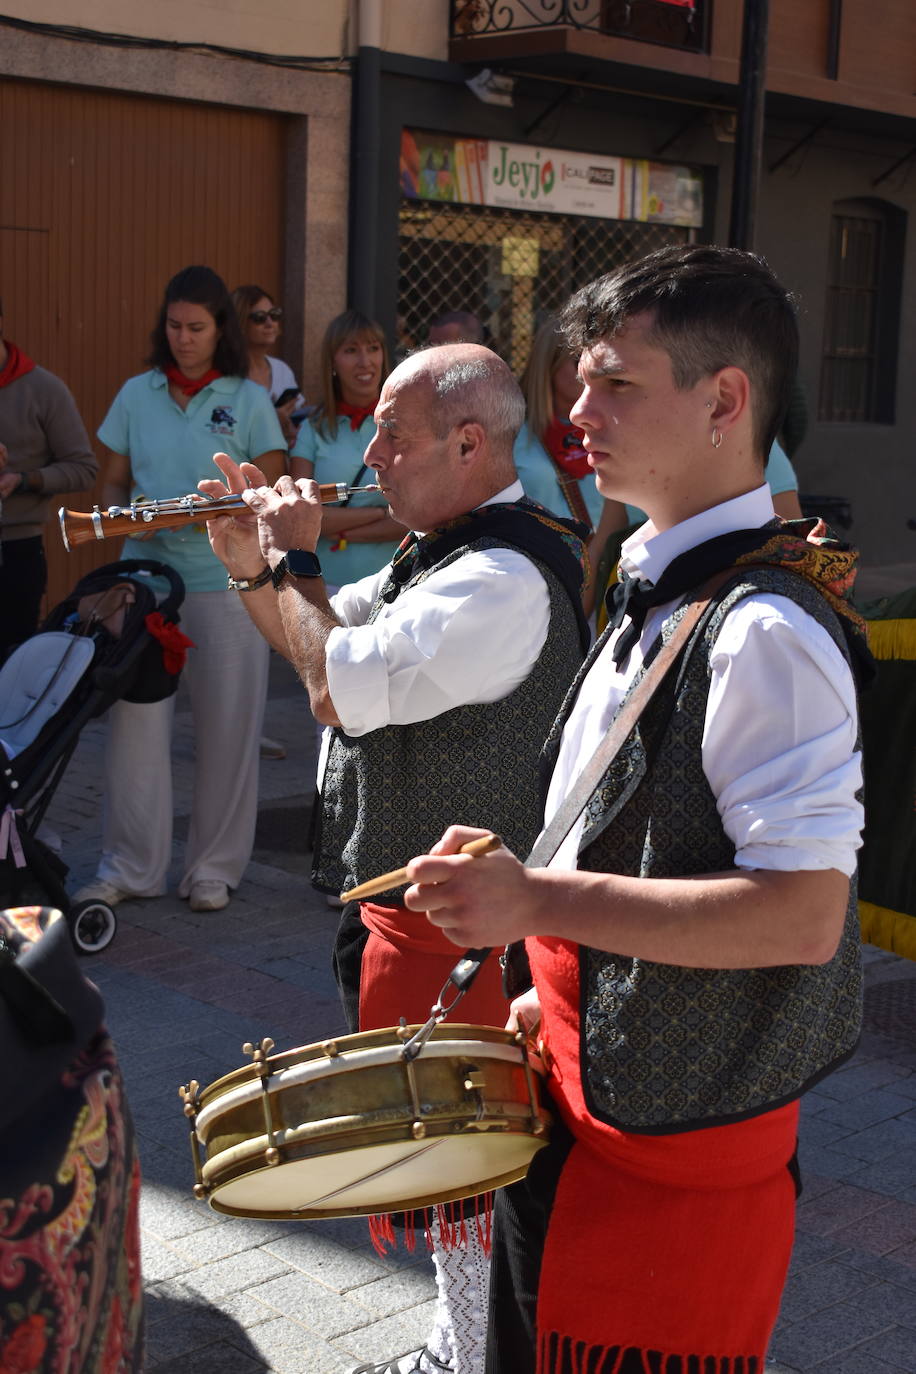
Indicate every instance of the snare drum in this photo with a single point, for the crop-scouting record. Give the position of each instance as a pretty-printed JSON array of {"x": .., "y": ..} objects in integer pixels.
[{"x": 350, "y": 1127}]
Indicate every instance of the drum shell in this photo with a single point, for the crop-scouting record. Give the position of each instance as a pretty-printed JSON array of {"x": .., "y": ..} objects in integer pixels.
[{"x": 463, "y": 1118}]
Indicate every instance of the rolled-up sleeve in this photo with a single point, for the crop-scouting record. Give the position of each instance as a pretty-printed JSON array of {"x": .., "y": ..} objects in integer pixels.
[
  {"x": 779, "y": 741},
  {"x": 469, "y": 633}
]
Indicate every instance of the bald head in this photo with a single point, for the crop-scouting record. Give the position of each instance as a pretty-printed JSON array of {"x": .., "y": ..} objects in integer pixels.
[
  {"x": 467, "y": 382},
  {"x": 445, "y": 425}
]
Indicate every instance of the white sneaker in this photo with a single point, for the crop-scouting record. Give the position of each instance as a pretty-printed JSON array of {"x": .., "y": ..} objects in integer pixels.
[
  {"x": 101, "y": 890},
  {"x": 208, "y": 894}
]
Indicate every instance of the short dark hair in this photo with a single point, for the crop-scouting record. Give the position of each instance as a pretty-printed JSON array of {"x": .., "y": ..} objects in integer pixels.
[
  {"x": 465, "y": 320},
  {"x": 712, "y": 308},
  {"x": 202, "y": 286}
]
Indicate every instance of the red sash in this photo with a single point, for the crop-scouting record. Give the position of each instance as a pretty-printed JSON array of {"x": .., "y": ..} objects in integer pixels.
[{"x": 17, "y": 364}]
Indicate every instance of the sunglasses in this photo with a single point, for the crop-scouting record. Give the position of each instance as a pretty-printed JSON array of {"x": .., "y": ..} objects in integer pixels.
[{"x": 262, "y": 316}]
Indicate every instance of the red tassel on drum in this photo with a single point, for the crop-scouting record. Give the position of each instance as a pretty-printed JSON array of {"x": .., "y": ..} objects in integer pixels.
[
  {"x": 449, "y": 1221},
  {"x": 381, "y": 1233},
  {"x": 483, "y": 1220}
]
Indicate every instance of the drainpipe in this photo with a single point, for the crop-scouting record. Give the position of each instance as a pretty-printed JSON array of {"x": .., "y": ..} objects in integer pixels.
[
  {"x": 366, "y": 145},
  {"x": 749, "y": 133}
]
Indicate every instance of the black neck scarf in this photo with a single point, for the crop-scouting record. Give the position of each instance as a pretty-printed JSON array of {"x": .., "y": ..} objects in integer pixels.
[
  {"x": 806, "y": 547},
  {"x": 556, "y": 542}
]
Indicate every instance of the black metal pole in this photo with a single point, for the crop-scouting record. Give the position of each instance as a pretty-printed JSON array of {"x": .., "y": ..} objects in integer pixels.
[
  {"x": 749, "y": 134},
  {"x": 366, "y": 144}
]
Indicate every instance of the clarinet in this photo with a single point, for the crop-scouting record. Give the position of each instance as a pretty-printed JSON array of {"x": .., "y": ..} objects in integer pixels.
[{"x": 79, "y": 527}]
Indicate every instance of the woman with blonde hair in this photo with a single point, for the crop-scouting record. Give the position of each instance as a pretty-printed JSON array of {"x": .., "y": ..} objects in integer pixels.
[
  {"x": 358, "y": 536},
  {"x": 551, "y": 463}
]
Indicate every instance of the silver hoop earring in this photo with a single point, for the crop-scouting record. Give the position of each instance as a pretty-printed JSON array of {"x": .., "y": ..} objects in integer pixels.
[{"x": 716, "y": 437}]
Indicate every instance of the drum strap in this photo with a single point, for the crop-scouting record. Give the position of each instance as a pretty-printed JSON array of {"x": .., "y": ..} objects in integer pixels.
[
  {"x": 548, "y": 842},
  {"x": 588, "y": 781},
  {"x": 620, "y": 728}
]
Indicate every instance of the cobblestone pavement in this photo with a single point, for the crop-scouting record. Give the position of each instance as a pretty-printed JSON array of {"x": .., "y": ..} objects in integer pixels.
[{"x": 184, "y": 990}]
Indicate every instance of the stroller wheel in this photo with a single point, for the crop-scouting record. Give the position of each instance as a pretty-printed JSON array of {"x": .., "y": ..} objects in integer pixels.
[{"x": 92, "y": 926}]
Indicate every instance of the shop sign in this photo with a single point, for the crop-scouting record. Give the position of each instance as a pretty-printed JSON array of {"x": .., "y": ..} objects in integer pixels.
[{"x": 517, "y": 176}]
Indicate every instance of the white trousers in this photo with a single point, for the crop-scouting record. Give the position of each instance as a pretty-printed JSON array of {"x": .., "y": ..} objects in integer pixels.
[{"x": 226, "y": 675}]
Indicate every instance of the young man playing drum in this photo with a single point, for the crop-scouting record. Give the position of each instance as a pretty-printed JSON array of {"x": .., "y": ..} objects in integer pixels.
[
  {"x": 441, "y": 676},
  {"x": 694, "y": 942}
]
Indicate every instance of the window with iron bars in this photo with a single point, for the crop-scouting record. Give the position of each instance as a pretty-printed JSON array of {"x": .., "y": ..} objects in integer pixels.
[
  {"x": 865, "y": 273},
  {"x": 512, "y": 269}
]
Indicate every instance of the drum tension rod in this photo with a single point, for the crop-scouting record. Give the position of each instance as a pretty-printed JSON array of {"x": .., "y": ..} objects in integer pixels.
[
  {"x": 190, "y": 1096},
  {"x": 260, "y": 1054},
  {"x": 536, "y": 1124}
]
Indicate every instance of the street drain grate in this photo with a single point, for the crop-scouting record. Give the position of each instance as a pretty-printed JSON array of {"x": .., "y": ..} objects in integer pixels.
[{"x": 890, "y": 1009}]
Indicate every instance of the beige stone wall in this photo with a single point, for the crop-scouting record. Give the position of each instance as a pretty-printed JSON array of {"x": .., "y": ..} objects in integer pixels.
[
  {"x": 309, "y": 28},
  {"x": 416, "y": 27},
  {"x": 304, "y": 28}
]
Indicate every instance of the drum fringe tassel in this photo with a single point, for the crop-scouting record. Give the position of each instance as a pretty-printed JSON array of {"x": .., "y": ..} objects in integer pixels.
[
  {"x": 562, "y": 1355},
  {"x": 446, "y": 1223},
  {"x": 892, "y": 639}
]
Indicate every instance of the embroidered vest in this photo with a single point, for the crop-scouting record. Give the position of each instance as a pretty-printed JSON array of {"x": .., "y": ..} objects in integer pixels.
[
  {"x": 666, "y": 1049},
  {"x": 390, "y": 794}
]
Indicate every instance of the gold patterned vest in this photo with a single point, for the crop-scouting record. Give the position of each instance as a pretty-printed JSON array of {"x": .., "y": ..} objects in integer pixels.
[
  {"x": 390, "y": 794},
  {"x": 664, "y": 1048}
]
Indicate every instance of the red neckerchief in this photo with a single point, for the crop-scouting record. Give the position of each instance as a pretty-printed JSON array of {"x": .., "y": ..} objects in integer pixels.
[
  {"x": 356, "y": 414},
  {"x": 17, "y": 365},
  {"x": 563, "y": 441},
  {"x": 188, "y": 386}
]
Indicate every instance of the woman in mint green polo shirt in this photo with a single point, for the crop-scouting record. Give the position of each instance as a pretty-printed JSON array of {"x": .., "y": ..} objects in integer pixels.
[
  {"x": 360, "y": 537},
  {"x": 549, "y": 458},
  {"x": 161, "y": 432}
]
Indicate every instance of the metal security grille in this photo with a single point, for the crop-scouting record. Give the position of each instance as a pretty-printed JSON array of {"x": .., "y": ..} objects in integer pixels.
[
  {"x": 850, "y": 329},
  {"x": 509, "y": 268}
]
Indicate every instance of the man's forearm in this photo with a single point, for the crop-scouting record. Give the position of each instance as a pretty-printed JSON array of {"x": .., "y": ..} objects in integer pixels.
[
  {"x": 307, "y": 620},
  {"x": 754, "y": 919},
  {"x": 735, "y": 919},
  {"x": 262, "y": 606}
]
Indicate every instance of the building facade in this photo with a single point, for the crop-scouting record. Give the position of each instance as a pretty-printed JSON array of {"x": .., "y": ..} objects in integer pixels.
[
  {"x": 488, "y": 155},
  {"x": 532, "y": 145},
  {"x": 152, "y": 137}
]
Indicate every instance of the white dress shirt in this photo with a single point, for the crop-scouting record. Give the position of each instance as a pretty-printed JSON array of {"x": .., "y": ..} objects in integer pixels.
[
  {"x": 779, "y": 740},
  {"x": 467, "y": 634}
]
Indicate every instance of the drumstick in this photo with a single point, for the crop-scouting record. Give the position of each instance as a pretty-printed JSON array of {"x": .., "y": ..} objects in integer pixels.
[{"x": 484, "y": 845}]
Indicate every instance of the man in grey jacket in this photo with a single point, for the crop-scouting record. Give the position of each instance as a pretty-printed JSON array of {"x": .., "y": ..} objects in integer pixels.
[{"x": 44, "y": 451}]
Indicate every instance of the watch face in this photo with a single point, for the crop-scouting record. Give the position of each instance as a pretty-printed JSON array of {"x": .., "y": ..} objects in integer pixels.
[{"x": 302, "y": 564}]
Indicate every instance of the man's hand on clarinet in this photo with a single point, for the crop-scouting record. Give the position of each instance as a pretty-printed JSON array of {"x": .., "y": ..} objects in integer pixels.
[
  {"x": 289, "y": 516},
  {"x": 234, "y": 538},
  {"x": 488, "y": 900}
]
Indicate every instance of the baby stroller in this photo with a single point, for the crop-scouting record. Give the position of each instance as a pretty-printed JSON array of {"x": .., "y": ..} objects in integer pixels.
[{"x": 112, "y": 638}]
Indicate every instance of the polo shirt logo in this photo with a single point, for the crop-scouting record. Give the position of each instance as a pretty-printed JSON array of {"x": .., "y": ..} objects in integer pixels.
[{"x": 222, "y": 420}]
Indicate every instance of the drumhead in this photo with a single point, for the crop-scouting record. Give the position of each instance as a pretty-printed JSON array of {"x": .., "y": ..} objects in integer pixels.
[{"x": 392, "y": 1177}]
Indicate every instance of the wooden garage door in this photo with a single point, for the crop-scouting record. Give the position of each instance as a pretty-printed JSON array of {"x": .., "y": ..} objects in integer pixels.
[{"x": 103, "y": 197}]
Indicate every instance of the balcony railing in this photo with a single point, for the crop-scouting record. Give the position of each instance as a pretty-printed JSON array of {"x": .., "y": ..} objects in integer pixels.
[{"x": 672, "y": 23}]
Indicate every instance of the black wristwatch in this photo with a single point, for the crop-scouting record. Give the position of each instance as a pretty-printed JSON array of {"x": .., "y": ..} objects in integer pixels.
[{"x": 298, "y": 563}]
